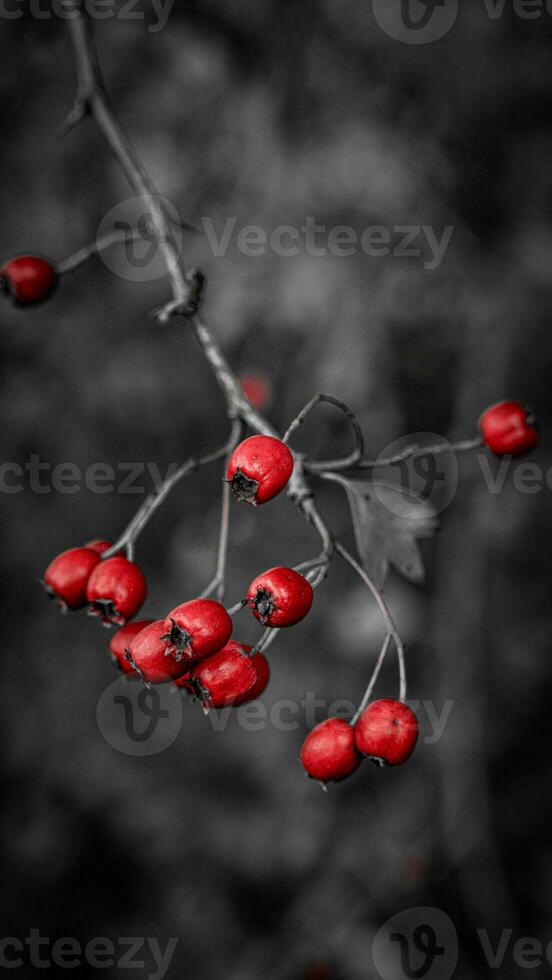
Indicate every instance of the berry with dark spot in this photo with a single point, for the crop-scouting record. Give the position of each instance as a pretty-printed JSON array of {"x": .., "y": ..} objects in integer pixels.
[
  {"x": 116, "y": 590},
  {"x": 280, "y": 597},
  {"x": 387, "y": 732},
  {"x": 147, "y": 655},
  {"x": 259, "y": 469},
  {"x": 197, "y": 629}
]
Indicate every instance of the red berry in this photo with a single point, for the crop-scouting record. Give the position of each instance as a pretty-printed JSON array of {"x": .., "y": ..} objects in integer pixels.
[
  {"x": 508, "y": 429},
  {"x": 257, "y": 389},
  {"x": 197, "y": 629},
  {"x": 100, "y": 546},
  {"x": 120, "y": 643},
  {"x": 66, "y": 578},
  {"x": 225, "y": 678},
  {"x": 148, "y": 656},
  {"x": 28, "y": 279},
  {"x": 387, "y": 732},
  {"x": 262, "y": 671},
  {"x": 329, "y": 751},
  {"x": 280, "y": 597},
  {"x": 116, "y": 590},
  {"x": 259, "y": 469}
]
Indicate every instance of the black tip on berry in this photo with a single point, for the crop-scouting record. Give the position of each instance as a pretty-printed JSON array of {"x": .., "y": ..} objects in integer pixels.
[
  {"x": 107, "y": 610},
  {"x": 263, "y": 604},
  {"x": 244, "y": 488},
  {"x": 378, "y": 761},
  {"x": 180, "y": 640}
]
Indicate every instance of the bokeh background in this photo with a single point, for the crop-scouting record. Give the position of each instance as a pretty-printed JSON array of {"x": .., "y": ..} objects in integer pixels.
[{"x": 271, "y": 113}]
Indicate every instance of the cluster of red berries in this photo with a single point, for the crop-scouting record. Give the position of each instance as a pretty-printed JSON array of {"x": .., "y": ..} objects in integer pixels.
[
  {"x": 386, "y": 733},
  {"x": 191, "y": 646}
]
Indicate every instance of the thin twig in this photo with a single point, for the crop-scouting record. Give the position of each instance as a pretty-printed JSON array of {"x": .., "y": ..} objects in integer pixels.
[
  {"x": 218, "y": 582},
  {"x": 384, "y": 609},
  {"x": 413, "y": 451},
  {"x": 117, "y": 236},
  {"x": 348, "y": 461},
  {"x": 156, "y": 498}
]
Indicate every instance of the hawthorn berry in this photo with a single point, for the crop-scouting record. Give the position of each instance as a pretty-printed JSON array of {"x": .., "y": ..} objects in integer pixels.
[
  {"x": 28, "y": 279},
  {"x": 120, "y": 643},
  {"x": 67, "y": 576},
  {"x": 259, "y": 469},
  {"x": 147, "y": 655},
  {"x": 197, "y": 629},
  {"x": 387, "y": 732},
  {"x": 280, "y": 597},
  {"x": 262, "y": 671},
  {"x": 116, "y": 590},
  {"x": 329, "y": 752},
  {"x": 225, "y": 678},
  {"x": 257, "y": 389},
  {"x": 509, "y": 429}
]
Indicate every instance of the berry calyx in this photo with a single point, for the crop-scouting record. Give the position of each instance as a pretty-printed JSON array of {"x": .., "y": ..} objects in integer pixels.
[
  {"x": 116, "y": 590},
  {"x": 120, "y": 643},
  {"x": 67, "y": 576},
  {"x": 28, "y": 279},
  {"x": 329, "y": 752},
  {"x": 197, "y": 629},
  {"x": 224, "y": 679},
  {"x": 509, "y": 429},
  {"x": 387, "y": 732},
  {"x": 147, "y": 655},
  {"x": 259, "y": 469},
  {"x": 280, "y": 597}
]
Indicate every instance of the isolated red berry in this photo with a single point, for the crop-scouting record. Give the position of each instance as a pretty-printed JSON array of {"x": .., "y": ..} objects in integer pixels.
[
  {"x": 121, "y": 640},
  {"x": 387, "y": 732},
  {"x": 100, "y": 545},
  {"x": 509, "y": 429},
  {"x": 225, "y": 678},
  {"x": 28, "y": 279},
  {"x": 148, "y": 656},
  {"x": 197, "y": 629},
  {"x": 259, "y": 469},
  {"x": 280, "y": 597},
  {"x": 329, "y": 752},
  {"x": 257, "y": 388},
  {"x": 116, "y": 590},
  {"x": 67, "y": 576}
]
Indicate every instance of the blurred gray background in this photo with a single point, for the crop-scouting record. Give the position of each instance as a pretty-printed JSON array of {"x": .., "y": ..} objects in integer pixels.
[{"x": 271, "y": 113}]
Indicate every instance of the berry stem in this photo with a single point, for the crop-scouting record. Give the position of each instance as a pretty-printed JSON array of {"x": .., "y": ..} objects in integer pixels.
[
  {"x": 372, "y": 683},
  {"x": 414, "y": 451},
  {"x": 354, "y": 457},
  {"x": 384, "y": 609},
  {"x": 155, "y": 499},
  {"x": 218, "y": 582}
]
